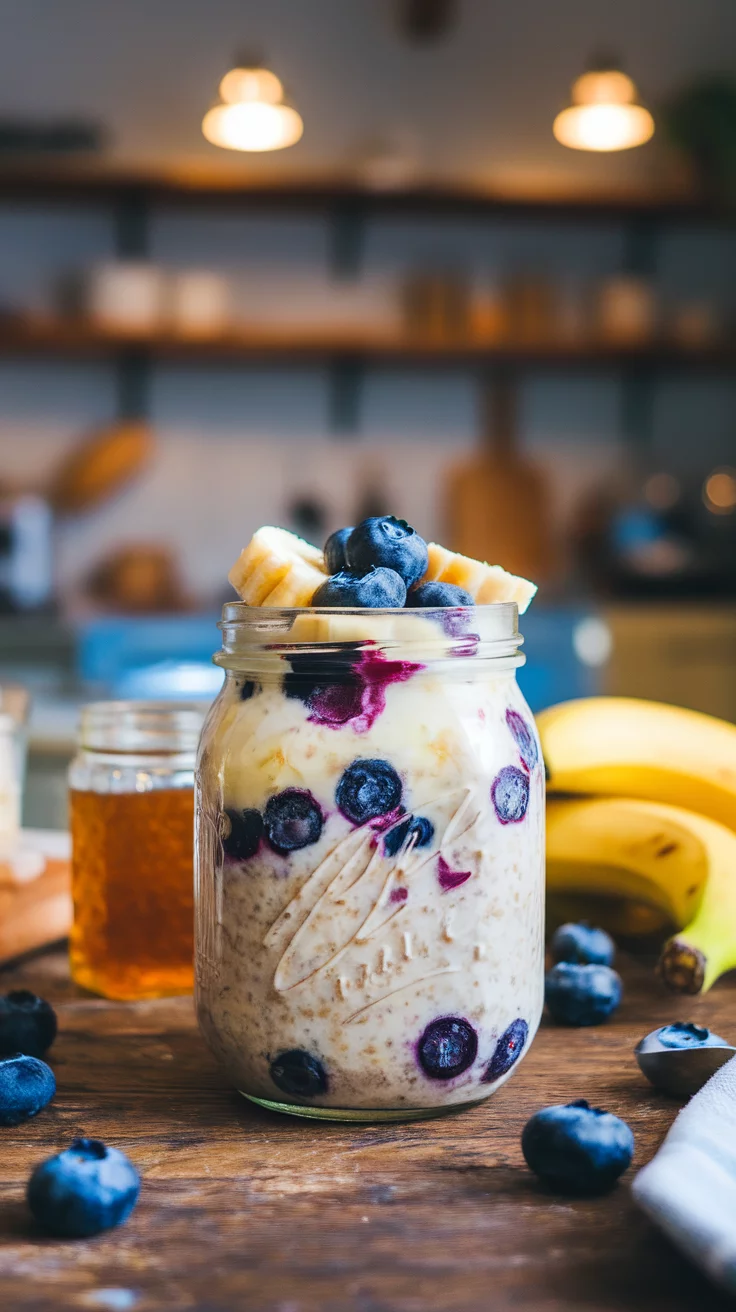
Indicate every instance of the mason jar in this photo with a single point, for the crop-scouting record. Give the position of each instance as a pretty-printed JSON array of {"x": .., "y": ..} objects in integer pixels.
[
  {"x": 369, "y": 865},
  {"x": 132, "y": 825}
]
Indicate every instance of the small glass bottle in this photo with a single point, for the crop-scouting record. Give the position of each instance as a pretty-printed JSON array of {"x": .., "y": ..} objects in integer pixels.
[{"x": 131, "y": 802}]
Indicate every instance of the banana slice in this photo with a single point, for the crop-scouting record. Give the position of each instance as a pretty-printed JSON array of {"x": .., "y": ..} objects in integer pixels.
[
  {"x": 277, "y": 569},
  {"x": 485, "y": 583}
]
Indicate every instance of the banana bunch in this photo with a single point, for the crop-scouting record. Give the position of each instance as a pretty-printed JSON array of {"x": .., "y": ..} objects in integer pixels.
[{"x": 643, "y": 806}]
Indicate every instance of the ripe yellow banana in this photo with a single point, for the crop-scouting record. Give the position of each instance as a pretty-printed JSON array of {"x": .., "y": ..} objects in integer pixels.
[
  {"x": 677, "y": 860},
  {"x": 485, "y": 583},
  {"x": 277, "y": 569},
  {"x": 621, "y": 747}
]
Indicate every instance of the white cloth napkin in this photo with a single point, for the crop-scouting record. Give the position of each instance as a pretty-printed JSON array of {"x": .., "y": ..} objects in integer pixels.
[{"x": 689, "y": 1188}]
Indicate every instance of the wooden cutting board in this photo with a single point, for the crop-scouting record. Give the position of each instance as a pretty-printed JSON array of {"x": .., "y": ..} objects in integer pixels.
[
  {"x": 498, "y": 502},
  {"x": 35, "y": 891}
]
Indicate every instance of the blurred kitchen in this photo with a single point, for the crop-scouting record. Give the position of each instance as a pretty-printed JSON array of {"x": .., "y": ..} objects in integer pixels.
[{"x": 300, "y": 262}]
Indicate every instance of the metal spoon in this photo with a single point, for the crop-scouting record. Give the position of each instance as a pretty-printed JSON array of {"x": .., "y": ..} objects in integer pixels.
[{"x": 679, "y": 1058}]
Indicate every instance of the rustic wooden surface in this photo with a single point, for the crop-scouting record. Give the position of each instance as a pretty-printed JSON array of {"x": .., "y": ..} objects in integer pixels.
[{"x": 242, "y": 1209}]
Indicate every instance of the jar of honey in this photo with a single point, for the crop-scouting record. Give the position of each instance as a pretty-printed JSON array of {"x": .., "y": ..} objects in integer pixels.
[{"x": 132, "y": 823}]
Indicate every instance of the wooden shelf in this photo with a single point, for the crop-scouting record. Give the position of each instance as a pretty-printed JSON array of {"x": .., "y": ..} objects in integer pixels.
[
  {"x": 200, "y": 185},
  {"x": 85, "y": 341}
]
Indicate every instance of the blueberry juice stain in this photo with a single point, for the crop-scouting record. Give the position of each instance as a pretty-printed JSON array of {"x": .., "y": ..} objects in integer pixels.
[{"x": 346, "y": 686}]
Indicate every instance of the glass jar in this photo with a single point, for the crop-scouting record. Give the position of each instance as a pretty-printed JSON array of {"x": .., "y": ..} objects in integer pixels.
[
  {"x": 132, "y": 825},
  {"x": 369, "y": 860}
]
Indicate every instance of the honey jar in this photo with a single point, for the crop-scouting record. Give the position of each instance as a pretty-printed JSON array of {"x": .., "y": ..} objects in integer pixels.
[{"x": 132, "y": 824}]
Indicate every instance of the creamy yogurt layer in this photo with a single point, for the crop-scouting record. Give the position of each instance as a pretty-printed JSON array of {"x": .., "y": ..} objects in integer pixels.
[{"x": 371, "y": 878}]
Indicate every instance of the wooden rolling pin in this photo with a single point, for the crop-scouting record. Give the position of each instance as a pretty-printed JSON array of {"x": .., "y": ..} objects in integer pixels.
[{"x": 35, "y": 891}]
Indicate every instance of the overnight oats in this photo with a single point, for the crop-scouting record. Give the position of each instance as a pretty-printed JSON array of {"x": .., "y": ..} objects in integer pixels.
[{"x": 370, "y": 833}]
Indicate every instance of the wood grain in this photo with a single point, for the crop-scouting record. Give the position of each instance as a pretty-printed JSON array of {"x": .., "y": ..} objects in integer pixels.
[{"x": 241, "y": 1209}]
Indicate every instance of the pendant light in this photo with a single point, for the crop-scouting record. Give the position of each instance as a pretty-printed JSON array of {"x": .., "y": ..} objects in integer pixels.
[
  {"x": 252, "y": 114},
  {"x": 604, "y": 114}
]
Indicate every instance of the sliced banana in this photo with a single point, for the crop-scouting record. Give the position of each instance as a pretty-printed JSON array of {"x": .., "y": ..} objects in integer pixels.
[
  {"x": 485, "y": 583},
  {"x": 277, "y": 569}
]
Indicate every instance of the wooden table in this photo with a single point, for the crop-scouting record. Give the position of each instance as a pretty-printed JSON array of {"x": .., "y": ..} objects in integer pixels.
[{"x": 242, "y": 1209}]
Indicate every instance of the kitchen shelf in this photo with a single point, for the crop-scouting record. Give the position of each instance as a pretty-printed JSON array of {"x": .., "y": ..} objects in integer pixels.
[
  {"x": 200, "y": 185},
  {"x": 84, "y": 341}
]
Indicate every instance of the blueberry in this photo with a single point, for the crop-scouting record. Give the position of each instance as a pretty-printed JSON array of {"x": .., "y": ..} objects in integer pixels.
[
  {"x": 683, "y": 1034},
  {"x": 27, "y": 1024},
  {"x": 247, "y": 690},
  {"x": 244, "y": 833},
  {"x": 416, "y": 827},
  {"x": 447, "y": 1047},
  {"x": 510, "y": 794},
  {"x": 581, "y": 995},
  {"x": 439, "y": 594},
  {"x": 335, "y": 550},
  {"x": 83, "y": 1190},
  {"x": 507, "y": 1051},
  {"x": 378, "y": 589},
  {"x": 299, "y": 1073},
  {"x": 26, "y": 1086},
  {"x": 385, "y": 540},
  {"x": 577, "y": 1149},
  {"x": 524, "y": 738},
  {"x": 368, "y": 789},
  {"x": 292, "y": 820},
  {"x": 583, "y": 944}
]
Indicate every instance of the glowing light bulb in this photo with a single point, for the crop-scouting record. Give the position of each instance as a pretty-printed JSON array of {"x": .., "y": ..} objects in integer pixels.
[
  {"x": 603, "y": 115},
  {"x": 252, "y": 114}
]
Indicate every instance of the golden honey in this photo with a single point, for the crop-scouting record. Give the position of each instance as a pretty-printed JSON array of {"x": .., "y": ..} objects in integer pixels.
[
  {"x": 132, "y": 827},
  {"x": 132, "y": 885}
]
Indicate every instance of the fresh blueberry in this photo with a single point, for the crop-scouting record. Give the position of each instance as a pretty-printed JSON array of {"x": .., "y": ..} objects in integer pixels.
[
  {"x": 581, "y": 995},
  {"x": 385, "y": 540},
  {"x": 376, "y": 590},
  {"x": 26, "y": 1086},
  {"x": 247, "y": 690},
  {"x": 447, "y": 1047},
  {"x": 583, "y": 944},
  {"x": 83, "y": 1190},
  {"x": 242, "y": 833},
  {"x": 417, "y": 827},
  {"x": 335, "y": 550},
  {"x": 299, "y": 1073},
  {"x": 27, "y": 1024},
  {"x": 438, "y": 595},
  {"x": 524, "y": 739},
  {"x": 577, "y": 1149},
  {"x": 510, "y": 794},
  {"x": 368, "y": 789},
  {"x": 292, "y": 820},
  {"x": 507, "y": 1051},
  {"x": 683, "y": 1034}
]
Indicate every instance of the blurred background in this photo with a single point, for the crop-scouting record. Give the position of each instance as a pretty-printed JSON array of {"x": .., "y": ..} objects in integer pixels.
[{"x": 469, "y": 262}]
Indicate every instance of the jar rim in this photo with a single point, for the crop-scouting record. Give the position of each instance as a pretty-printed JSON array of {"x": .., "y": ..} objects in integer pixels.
[
  {"x": 266, "y": 634},
  {"x": 148, "y": 727}
]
